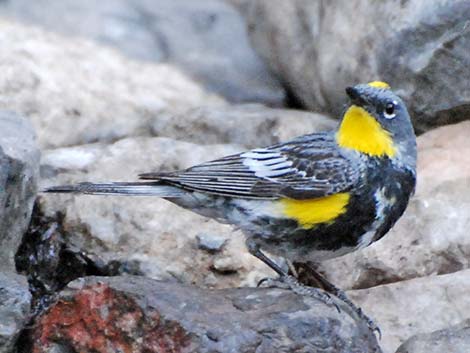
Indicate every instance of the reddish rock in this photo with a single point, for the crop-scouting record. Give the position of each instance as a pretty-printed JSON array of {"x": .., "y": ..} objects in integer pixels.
[
  {"x": 137, "y": 314},
  {"x": 100, "y": 319}
]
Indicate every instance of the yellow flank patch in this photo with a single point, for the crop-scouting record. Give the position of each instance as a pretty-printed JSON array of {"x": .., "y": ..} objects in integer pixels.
[
  {"x": 360, "y": 131},
  {"x": 379, "y": 84},
  {"x": 308, "y": 213}
]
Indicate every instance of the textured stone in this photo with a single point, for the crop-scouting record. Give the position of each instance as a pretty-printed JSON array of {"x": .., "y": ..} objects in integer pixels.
[
  {"x": 14, "y": 309},
  {"x": 19, "y": 169},
  {"x": 417, "y": 306},
  {"x": 251, "y": 125},
  {"x": 210, "y": 243},
  {"x": 318, "y": 48},
  {"x": 206, "y": 38},
  {"x": 135, "y": 314},
  {"x": 455, "y": 339},
  {"x": 432, "y": 236},
  {"x": 76, "y": 92},
  {"x": 50, "y": 263}
]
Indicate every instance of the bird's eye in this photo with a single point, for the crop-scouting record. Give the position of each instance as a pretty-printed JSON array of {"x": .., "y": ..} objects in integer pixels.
[{"x": 389, "y": 111}]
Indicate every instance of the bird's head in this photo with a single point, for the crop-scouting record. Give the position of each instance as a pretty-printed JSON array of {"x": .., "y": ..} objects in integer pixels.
[{"x": 377, "y": 122}]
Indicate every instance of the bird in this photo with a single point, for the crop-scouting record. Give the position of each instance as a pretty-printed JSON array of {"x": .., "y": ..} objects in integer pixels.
[{"x": 315, "y": 197}]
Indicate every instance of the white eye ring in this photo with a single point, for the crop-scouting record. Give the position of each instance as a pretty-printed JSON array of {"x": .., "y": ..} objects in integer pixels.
[{"x": 389, "y": 111}]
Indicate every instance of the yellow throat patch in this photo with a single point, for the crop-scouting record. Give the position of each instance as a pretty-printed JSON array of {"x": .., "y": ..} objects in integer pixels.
[
  {"x": 360, "y": 131},
  {"x": 309, "y": 213}
]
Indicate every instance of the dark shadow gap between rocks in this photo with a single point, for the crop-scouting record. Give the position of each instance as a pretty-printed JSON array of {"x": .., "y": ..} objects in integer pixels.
[{"x": 49, "y": 262}]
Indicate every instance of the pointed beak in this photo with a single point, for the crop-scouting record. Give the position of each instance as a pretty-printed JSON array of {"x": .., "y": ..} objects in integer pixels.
[{"x": 355, "y": 96}]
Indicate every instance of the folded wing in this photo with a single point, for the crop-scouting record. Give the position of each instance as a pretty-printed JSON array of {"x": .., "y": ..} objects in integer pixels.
[{"x": 308, "y": 167}]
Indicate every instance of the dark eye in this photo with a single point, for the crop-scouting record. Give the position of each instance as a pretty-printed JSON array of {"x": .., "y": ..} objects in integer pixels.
[{"x": 389, "y": 111}]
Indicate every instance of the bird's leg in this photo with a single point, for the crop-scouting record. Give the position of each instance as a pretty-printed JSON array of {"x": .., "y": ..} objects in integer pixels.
[
  {"x": 292, "y": 268},
  {"x": 287, "y": 281},
  {"x": 340, "y": 294}
]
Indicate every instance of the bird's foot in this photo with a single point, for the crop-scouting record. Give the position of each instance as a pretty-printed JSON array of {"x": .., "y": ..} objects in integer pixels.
[
  {"x": 291, "y": 283},
  {"x": 340, "y": 294}
]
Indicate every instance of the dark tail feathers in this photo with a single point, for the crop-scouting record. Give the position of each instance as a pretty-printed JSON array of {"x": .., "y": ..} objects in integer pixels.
[{"x": 131, "y": 189}]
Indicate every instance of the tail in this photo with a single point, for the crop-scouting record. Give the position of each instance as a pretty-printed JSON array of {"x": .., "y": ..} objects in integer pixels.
[{"x": 130, "y": 189}]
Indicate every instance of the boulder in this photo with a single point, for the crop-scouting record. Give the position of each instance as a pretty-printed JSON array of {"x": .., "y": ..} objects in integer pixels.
[
  {"x": 318, "y": 48},
  {"x": 19, "y": 169},
  {"x": 136, "y": 314},
  {"x": 455, "y": 339},
  {"x": 207, "y": 39},
  {"x": 250, "y": 125},
  {"x": 432, "y": 236},
  {"x": 417, "y": 306},
  {"x": 14, "y": 309},
  {"x": 76, "y": 92}
]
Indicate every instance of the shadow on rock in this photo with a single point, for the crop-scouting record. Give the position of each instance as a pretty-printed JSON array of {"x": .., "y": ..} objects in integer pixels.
[{"x": 50, "y": 262}]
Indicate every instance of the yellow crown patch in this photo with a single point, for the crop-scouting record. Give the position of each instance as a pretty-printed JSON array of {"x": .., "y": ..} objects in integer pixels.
[{"x": 379, "y": 84}]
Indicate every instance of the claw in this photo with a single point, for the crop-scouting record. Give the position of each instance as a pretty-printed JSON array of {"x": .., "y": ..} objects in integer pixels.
[
  {"x": 337, "y": 308},
  {"x": 370, "y": 323},
  {"x": 261, "y": 281},
  {"x": 379, "y": 333}
]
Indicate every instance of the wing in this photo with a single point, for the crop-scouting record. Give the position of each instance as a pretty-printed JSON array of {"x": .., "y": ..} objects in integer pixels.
[{"x": 308, "y": 167}]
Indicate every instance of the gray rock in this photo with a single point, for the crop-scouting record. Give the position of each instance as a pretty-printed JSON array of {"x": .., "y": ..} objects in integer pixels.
[
  {"x": 417, "y": 306},
  {"x": 454, "y": 339},
  {"x": 251, "y": 125},
  {"x": 205, "y": 38},
  {"x": 19, "y": 169},
  {"x": 14, "y": 309},
  {"x": 210, "y": 243},
  {"x": 318, "y": 48},
  {"x": 138, "y": 314},
  {"x": 432, "y": 236},
  {"x": 95, "y": 94}
]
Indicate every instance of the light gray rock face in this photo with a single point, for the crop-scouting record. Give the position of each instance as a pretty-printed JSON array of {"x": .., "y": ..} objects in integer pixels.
[
  {"x": 250, "y": 125},
  {"x": 432, "y": 236},
  {"x": 454, "y": 339},
  {"x": 19, "y": 169},
  {"x": 205, "y": 38},
  {"x": 318, "y": 48},
  {"x": 417, "y": 306},
  {"x": 14, "y": 309},
  {"x": 95, "y": 94},
  {"x": 135, "y": 314}
]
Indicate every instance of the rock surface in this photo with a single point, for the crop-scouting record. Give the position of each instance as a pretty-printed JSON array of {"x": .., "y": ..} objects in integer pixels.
[
  {"x": 421, "y": 305},
  {"x": 251, "y": 125},
  {"x": 50, "y": 262},
  {"x": 206, "y": 38},
  {"x": 454, "y": 339},
  {"x": 93, "y": 95},
  {"x": 135, "y": 314},
  {"x": 432, "y": 236},
  {"x": 14, "y": 309},
  {"x": 318, "y": 48},
  {"x": 19, "y": 171}
]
